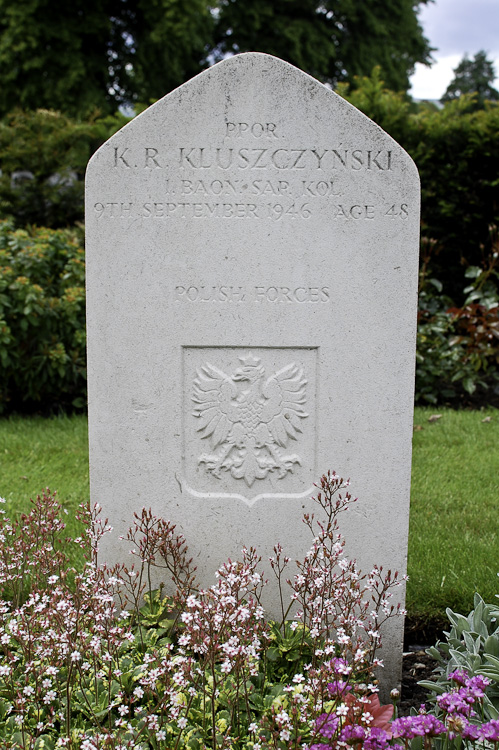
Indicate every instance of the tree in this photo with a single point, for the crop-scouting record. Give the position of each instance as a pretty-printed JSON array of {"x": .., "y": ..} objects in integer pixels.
[
  {"x": 333, "y": 40},
  {"x": 85, "y": 54},
  {"x": 474, "y": 76},
  {"x": 53, "y": 55}
]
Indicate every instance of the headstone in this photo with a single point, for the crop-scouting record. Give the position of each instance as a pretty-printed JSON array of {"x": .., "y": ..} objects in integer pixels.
[{"x": 252, "y": 263}]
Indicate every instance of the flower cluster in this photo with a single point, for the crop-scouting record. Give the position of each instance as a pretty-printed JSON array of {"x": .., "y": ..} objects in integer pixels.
[
  {"x": 459, "y": 714},
  {"x": 97, "y": 660}
]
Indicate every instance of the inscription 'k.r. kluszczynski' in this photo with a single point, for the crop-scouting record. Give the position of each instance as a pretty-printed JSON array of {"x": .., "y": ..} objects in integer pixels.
[
  {"x": 281, "y": 159},
  {"x": 249, "y": 418}
]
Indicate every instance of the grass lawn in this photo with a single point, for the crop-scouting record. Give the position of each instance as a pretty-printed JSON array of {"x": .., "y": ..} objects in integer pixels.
[
  {"x": 454, "y": 528},
  {"x": 36, "y": 453}
]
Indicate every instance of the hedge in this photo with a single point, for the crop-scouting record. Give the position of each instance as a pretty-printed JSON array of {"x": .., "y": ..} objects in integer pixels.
[
  {"x": 43, "y": 156},
  {"x": 42, "y": 319},
  {"x": 456, "y": 151}
]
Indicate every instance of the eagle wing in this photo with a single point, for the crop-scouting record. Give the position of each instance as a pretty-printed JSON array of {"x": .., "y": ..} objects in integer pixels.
[
  {"x": 213, "y": 394},
  {"x": 283, "y": 411}
]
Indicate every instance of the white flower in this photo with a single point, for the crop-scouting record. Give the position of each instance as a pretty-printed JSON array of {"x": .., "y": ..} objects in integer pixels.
[
  {"x": 359, "y": 655},
  {"x": 75, "y": 656}
]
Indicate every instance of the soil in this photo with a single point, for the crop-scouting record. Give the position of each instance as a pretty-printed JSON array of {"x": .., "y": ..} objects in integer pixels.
[{"x": 416, "y": 664}]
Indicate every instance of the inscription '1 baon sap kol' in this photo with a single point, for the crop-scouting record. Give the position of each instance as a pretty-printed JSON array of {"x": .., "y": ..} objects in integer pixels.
[
  {"x": 252, "y": 266},
  {"x": 249, "y": 196}
]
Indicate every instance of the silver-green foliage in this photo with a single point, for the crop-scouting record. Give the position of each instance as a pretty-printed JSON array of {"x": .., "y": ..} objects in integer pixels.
[{"x": 471, "y": 644}]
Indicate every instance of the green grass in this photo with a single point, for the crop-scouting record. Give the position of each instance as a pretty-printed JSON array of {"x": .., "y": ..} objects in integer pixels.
[
  {"x": 454, "y": 527},
  {"x": 36, "y": 453},
  {"x": 454, "y": 523}
]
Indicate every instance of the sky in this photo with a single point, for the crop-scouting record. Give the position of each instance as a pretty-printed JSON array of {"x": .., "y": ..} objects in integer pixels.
[{"x": 454, "y": 28}]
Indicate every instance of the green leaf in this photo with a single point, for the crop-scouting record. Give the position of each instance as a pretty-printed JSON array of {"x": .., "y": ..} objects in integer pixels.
[
  {"x": 435, "y": 687},
  {"x": 493, "y": 660},
  {"x": 44, "y": 742},
  {"x": 272, "y": 653},
  {"x": 490, "y": 710},
  {"x": 459, "y": 622},
  {"x": 473, "y": 272},
  {"x": 436, "y": 283}
]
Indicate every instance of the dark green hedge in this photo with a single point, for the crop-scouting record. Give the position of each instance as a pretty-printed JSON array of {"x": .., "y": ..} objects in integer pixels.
[
  {"x": 457, "y": 153},
  {"x": 42, "y": 317}
]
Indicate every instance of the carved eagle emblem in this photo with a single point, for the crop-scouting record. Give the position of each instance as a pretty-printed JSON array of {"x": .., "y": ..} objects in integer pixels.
[{"x": 248, "y": 418}]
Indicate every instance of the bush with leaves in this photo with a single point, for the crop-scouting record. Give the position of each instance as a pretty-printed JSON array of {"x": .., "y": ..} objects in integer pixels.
[
  {"x": 42, "y": 319},
  {"x": 43, "y": 157},
  {"x": 457, "y": 355}
]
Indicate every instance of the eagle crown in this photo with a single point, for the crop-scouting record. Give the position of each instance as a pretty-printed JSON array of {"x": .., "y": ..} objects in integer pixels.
[{"x": 251, "y": 370}]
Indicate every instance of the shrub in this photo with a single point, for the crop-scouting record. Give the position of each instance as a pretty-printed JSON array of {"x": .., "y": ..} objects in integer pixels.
[
  {"x": 457, "y": 354},
  {"x": 42, "y": 319},
  {"x": 43, "y": 156}
]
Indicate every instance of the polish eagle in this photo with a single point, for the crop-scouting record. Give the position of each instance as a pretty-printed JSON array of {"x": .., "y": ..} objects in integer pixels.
[{"x": 249, "y": 419}]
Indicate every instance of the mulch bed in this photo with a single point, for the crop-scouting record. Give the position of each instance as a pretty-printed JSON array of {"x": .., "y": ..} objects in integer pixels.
[{"x": 416, "y": 666}]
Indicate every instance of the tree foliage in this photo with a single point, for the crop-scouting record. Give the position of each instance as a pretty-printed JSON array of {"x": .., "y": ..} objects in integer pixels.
[
  {"x": 333, "y": 40},
  {"x": 87, "y": 54},
  {"x": 474, "y": 76}
]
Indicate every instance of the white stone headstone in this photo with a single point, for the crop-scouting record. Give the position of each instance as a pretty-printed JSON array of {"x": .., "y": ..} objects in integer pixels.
[{"x": 252, "y": 263}]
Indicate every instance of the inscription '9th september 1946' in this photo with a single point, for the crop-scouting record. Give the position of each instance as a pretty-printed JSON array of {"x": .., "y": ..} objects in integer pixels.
[{"x": 200, "y": 181}]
